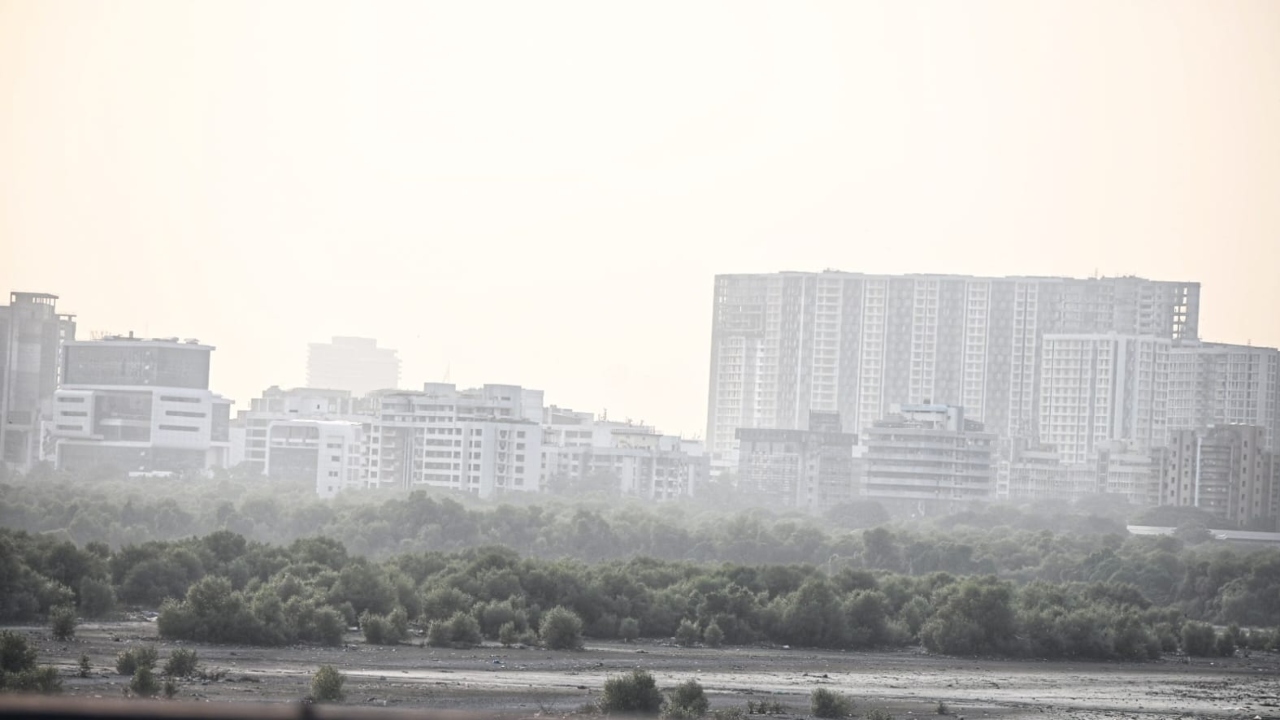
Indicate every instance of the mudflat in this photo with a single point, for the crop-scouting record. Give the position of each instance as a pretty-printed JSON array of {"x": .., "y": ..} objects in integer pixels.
[{"x": 529, "y": 682}]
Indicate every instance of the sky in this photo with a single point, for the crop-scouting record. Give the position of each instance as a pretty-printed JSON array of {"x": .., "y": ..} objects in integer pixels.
[{"x": 541, "y": 193}]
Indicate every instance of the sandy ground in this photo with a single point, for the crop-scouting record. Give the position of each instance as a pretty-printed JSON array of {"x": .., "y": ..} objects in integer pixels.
[{"x": 529, "y": 682}]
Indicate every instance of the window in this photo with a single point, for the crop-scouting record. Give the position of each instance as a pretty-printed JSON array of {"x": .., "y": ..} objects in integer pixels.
[
  {"x": 71, "y": 400},
  {"x": 180, "y": 428},
  {"x": 183, "y": 413}
]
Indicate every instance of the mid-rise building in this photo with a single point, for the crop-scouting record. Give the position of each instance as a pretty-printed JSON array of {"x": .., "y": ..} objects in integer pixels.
[
  {"x": 1223, "y": 384},
  {"x": 140, "y": 406},
  {"x": 1100, "y": 388},
  {"x": 811, "y": 469},
  {"x": 856, "y": 344},
  {"x": 1223, "y": 469},
  {"x": 328, "y": 452},
  {"x": 929, "y": 457},
  {"x": 641, "y": 461},
  {"x": 356, "y": 365},
  {"x": 32, "y": 334},
  {"x": 484, "y": 441},
  {"x": 251, "y": 428}
]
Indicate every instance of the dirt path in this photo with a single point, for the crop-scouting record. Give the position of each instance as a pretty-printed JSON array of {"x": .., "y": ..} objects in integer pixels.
[{"x": 531, "y": 681}]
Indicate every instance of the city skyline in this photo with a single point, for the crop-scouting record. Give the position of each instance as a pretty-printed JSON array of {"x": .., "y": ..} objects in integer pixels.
[{"x": 552, "y": 209}]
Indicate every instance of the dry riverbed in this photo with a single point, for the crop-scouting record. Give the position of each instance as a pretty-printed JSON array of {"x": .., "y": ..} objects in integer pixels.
[{"x": 528, "y": 682}]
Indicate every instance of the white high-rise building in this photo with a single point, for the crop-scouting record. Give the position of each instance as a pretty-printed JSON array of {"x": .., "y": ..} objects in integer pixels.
[
  {"x": 356, "y": 365},
  {"x": 1222, "y": 384},
  {"x": 784, "y": 344},
  {"x": 1095, "y": 389}
]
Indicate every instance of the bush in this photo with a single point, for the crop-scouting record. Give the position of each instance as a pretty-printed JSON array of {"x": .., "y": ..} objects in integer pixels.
[
  {"x": 508, "y": 635},
  {"x": 464, "y": 630},
  {"x": 16, "y": 655},
  {"x": 170, "y": 688},
  {"x": 633, "y": 693},
  {"x": 688, "y": 700},
  {"x": 390, "y": 629},
  {"x": 62, "y": 622},
  {"x": 687, "y": 634},
  {"x": 826, "y": 704},
  {"x": 128, "y": 662},
  {"x": 629, "y": 629},
  {"x": 438, "y": 634},
  {"x": 713, "y": 636},
  {"x": 144, "y": 682},
  {"x": 181, "y": 663},
  {"x": 97, "y": 597},
  {"x": 1198, "y": 639},
  {"x": 561, "y": 629},
  {"x": 42, "y": 680},
  {"x": 326, "y": 685}
]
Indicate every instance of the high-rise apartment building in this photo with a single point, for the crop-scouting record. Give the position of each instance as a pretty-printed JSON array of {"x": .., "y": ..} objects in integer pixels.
[
  {"x": 787, "y": 343},
  {"x": 32, "y": 334},
  {"x": 356, "y": 365},
  {"x": 1223, "y": 384},
  {"x": 140, "y": 406},
  {"x": 1095, "y": 389}
]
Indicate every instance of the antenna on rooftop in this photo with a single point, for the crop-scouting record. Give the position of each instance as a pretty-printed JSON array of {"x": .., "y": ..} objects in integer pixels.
[{"x": 447, "y": 369}]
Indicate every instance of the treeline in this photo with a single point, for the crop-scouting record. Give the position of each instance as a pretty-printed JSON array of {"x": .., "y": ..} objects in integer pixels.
[
  {"x": 384, "y": 523},
  {"x": 1059, "y": 597}
]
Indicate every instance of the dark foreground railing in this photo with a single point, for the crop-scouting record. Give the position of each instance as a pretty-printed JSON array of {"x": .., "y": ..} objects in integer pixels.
[{"x": 41, "y": 707}]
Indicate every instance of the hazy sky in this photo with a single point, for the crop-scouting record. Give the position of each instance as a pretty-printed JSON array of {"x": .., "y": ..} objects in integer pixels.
[{"x": 541, "y": 193}]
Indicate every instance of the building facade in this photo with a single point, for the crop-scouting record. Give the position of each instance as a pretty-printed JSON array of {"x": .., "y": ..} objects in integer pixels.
[
  {"x": 929, "y": 457},
  {"x": 811, "y": 469},
  {"x": 328, "y": 452},
  {"x": 251, "y": 429},
  {"x": 1100, "y": 388},
  {"x": 855, "y": 344},
  {"x": 356, "y": 365},
  {"x": 1223, "y": 384},
  {"x": 32, "y": 335},
  {"x": 641, "y": 461},
  {"x": 1223, "y": 469},
  {"x": 484, "y": 441},
  {"x": 139, "y": 406}
]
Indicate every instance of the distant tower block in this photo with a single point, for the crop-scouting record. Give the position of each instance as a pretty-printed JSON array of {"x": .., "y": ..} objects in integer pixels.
[{"x": 356, "y": 365}]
